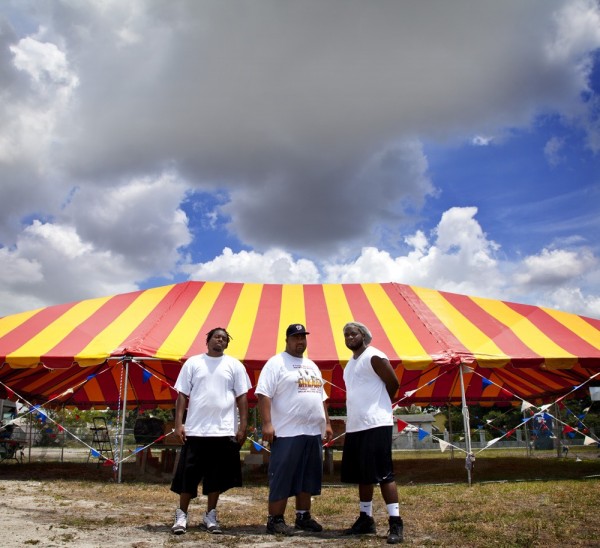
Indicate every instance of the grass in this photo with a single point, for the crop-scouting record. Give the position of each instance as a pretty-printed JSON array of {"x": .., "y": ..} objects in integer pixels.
[{"x": 513, "y": 502}]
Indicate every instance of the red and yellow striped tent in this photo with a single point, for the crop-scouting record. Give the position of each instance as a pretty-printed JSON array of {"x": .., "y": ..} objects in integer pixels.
[{"x": 72, "y": 354}]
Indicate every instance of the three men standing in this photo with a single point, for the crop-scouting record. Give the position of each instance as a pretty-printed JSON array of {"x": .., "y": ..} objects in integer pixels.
[{"x": 291, "y": 400}]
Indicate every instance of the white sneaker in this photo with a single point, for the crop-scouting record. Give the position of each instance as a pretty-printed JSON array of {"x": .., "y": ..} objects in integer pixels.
[
  {"x": 180, "y": 525},
  {"x": 210, "y": 522}
]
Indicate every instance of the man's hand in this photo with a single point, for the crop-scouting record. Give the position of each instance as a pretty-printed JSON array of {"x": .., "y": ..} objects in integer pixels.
[
  {"x": 268, "y": 432},
  {"x": 180, "y": 431}
]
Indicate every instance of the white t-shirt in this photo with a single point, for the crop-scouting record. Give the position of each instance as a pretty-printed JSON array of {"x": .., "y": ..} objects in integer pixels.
[
  {"x": 295, "y": 387},
  {"x": 368, "y": 404},
  {"x": 212, "y": 385}
]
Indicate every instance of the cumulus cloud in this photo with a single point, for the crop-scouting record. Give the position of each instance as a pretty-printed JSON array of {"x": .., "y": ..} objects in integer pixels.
[
  {"x": 457, "y": 256},
  {"x": 307, "y": 119},
  {"x": 274, "y": 266}
]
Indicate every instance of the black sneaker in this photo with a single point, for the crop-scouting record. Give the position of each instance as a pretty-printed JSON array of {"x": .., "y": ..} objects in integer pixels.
[
  {"x": 364, "y": 525},
  {"x": 276, "y": 526},
  {"x": 396, "y": 531},
  {"x": 307, "y": 523}
]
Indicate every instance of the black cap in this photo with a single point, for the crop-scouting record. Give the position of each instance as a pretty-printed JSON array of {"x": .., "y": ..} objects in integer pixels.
[{"x": 296, "y": 329}]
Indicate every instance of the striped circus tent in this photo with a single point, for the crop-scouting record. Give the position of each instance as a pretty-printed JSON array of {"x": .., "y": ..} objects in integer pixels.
[{"x": 74, "y": 354}]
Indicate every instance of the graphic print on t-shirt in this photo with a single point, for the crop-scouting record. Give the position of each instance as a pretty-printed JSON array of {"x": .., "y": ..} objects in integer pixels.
[{"x": 308, "y": 381}]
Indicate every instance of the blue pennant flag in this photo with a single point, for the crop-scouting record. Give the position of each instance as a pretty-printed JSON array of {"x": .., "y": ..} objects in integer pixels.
[
  {"x": 95, "y": 454},
  {"x": 485, "y": 383},
  {"x": 422, "y": 434},
  {"x": 146, "y": 376},
  {"x": 138, "y": 450},
  {"x": 257, "y": 446},
  {"x": 89, "y": 377}
]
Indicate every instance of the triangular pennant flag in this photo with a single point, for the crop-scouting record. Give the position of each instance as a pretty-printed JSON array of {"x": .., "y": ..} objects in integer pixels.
[
  {"x": 257, "y": 446},
  {"x": 443, "y": 445},
  {"x": 95, "y": 454},
  {"x": 510, "y": 432},
  {"x": 401, "y": 425},
  {"x": 409, "y": 393},
  {"x": 146, "y": 376},
  {"x": 492, "y": 442},
  {"x": 567, "y": 429},
  {"x": 525, "y": 405},
  {"x": 422, "y": 434},
  {"x": 90, "y": 377},
  {"x": 589, "y": 441},
  {"x": 485, "y": 383},
  {"x": 545, "y": 406}
]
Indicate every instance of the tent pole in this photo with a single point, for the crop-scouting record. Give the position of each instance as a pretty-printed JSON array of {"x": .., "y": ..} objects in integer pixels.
[
  {"x": 124, "y": 399},
  {"x": 465, "y": 411}
]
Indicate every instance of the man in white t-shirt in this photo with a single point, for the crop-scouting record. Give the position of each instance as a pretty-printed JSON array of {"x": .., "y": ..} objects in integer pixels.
[
  {"x": 371, "y": 385},
  {"x": 291, "y": 399},
  {"x": 211, "y": 386}
]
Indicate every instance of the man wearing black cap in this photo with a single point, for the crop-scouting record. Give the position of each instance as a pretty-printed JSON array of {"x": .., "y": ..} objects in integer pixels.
[{"x": 291, "y": 400}]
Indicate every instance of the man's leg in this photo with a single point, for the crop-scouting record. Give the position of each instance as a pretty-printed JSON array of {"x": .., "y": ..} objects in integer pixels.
[
  {"x": 389, "y": 492},
  {"x": 210, "y": 518},
  {"x": 184, "y": 501},
  {"x": 277, "y": 507},
  {"x": 212, "y": 500}
]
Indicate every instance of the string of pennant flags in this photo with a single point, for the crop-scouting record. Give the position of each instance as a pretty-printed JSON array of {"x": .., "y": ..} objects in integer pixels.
[{"x": 401, "y": 425}]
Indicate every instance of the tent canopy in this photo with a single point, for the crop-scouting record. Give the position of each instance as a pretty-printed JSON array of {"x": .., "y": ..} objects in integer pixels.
[{"x": 71, "y": 353}]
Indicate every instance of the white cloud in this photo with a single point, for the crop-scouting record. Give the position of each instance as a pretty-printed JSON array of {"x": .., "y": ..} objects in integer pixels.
[
  {"x": 482, "y": 140},
  {"x": 552, "y": 267},
  {"x": 274, "y": 266},
  {"x": 552, "y": 151},
  {"x": 309, "y": 116}
]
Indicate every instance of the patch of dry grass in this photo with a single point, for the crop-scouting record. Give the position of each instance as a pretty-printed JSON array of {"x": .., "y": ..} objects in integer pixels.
[{"x": 559, "y": 510}]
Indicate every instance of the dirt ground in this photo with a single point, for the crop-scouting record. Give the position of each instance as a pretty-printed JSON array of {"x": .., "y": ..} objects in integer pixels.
[
  {"x": 36, "y": 513},
  {"x": 551, "y": 500}
]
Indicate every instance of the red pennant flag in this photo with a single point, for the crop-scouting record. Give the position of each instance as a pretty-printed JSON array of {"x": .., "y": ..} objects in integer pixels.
[
  {"x": 568, "y": 429},
  {"x": 401, "y": 425},
  {"x": 510, "y": 432}
]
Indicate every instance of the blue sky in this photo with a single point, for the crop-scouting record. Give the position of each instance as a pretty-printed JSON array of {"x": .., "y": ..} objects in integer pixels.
[{"x": 452, "y": 146}]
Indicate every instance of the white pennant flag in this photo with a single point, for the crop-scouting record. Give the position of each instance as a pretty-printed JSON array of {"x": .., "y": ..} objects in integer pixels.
[
  {"x": 409, "y": 393},
  {"x": 492, "y": 442},
  {"x": 525, "y": 405},
  {"x": 443, "y": 445},
  {"x": 589, "y": 441},
  {"x": 545, "y": 406}
]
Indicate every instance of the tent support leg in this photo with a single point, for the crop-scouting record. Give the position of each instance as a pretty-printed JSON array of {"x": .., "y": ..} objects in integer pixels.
[
  {"x": 122, "y": 440},
  {"x": 465, "y": 411}
]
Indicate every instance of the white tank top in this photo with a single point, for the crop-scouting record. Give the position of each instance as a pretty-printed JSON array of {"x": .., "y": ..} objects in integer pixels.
[{"x": 367, "y": 401}]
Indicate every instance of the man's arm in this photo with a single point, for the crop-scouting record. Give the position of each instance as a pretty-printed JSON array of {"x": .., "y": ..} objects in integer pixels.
[
  {"x": 242, "y": 405},
  {"x": 180, "y": 407},
  {"x": 386, "y": 373},
  {"x": 264, "y": 407},
  {"x": 328, "y": 428}
]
